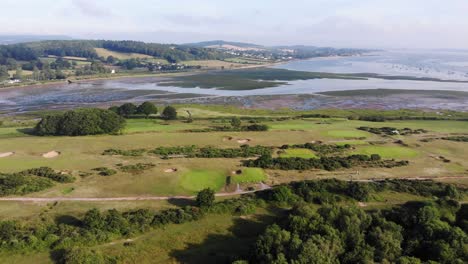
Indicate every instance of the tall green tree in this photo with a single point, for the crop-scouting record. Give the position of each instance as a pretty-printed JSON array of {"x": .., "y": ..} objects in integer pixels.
[
  {"x": 236, "y": 122},
  {"x": 4, "y": 75},
  {"x": 127, "y": 109},
  {"x": 147, "y": 109},
  {"x": 169, "y": 113},
  {"x": 205, "y": 198}
]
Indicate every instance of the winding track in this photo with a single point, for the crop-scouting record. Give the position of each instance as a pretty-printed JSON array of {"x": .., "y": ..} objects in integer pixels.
[{"x": 160, "y": 198}]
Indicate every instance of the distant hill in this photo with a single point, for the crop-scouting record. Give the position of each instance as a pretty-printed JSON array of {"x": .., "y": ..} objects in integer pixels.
[
  {"x": 230, "y": 45},
  {"x": 29, "y": 51},
  {"x": 281, "y": 52},
  {"x": 14, "y": 39}
]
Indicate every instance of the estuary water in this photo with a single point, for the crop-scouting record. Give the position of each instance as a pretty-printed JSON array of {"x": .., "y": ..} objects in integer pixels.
[{"x": 447, "y": 65}]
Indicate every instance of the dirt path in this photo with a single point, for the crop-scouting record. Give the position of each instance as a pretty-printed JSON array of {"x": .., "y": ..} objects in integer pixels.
[
  {"x": 160, "y": 198},
  {"x": 129, "y": 198}
]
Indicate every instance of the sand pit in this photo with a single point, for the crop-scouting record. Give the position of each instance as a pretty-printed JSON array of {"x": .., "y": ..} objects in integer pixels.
[
  {"x": 243, "y": 141},
  {"x": 227, "y": 138},
  {"x": 51, "y": 154},
  {"x": 172, "y": 170},
  {"x": 6, "y": 154}
]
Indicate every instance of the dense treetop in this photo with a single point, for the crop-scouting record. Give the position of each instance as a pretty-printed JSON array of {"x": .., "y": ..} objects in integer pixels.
[{"x": 80, "y": 122}]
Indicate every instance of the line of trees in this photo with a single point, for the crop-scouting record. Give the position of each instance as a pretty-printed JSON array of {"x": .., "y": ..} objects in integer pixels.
[
  {"x": 245, "y": 151},
  {"x": 146, "y": 109},
  {"x": 323, "y": 163}
]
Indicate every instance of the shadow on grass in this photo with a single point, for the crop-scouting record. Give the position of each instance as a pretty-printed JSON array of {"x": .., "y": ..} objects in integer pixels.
[
  {"x": 182, "y": 202},
  {"x": 236, "y": 245},
  {"x": 68, "y": 220},
  {"x": 27, "y": 131}
]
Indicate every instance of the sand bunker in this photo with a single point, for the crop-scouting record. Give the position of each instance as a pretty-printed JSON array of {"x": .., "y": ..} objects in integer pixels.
[
  {"x": 237, "y": 172},
  {"x": 51, "y": 154},
  {"x": 243, "y": 141},
  {"x": 170, "y": 170},
  {"x": 227, "y": 138},
  {"x": 6, "y": 154}
]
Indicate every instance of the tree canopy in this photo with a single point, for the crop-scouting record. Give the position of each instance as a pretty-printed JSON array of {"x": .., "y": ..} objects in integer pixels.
[
  {"x": 80, "y": 122},
  {"x": 169, "y": 113}
]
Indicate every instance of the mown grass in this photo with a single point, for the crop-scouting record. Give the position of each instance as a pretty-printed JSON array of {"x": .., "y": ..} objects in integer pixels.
[
  {"x": 347, "y": 134},
  {"x": 298, "y": 153},
  {"x": 388, "y": 152},
  {"x": 249, "y": 175},
  {"x": 196, "y": 180},
  {"x": 156, "y": 125}
]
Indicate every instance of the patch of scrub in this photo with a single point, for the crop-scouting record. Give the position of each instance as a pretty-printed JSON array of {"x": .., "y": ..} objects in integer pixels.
[
  {"x": 249, "y": 175},
  {"x": 196, "y": 180},
  {"x": 6, "y": 154},
  {"x": 51, "y": 154},
  {"x": 347, "y": 134},
  {"x": 387, "y": 152},
  {"x": 298, "y": 153}
]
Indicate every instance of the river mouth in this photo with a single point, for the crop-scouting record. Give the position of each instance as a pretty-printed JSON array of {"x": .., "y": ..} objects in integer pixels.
[{"x": 313, "y": 79}]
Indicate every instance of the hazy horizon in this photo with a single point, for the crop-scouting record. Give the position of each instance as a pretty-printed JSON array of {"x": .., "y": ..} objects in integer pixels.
[{"x": 428, "y": 24}]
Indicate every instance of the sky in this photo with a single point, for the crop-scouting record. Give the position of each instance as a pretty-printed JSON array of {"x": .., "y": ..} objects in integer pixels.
[{"x": 338, "y": 23}]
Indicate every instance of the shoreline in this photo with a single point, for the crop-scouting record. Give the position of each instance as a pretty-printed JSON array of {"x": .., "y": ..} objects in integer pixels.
[{"x": 84, "y": 79}]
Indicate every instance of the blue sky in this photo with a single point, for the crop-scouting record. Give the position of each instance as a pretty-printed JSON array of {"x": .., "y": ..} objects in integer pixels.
[{"x": 342, "y": 23}]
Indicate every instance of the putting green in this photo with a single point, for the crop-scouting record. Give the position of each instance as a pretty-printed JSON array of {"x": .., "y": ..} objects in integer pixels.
[
  {"x": 196, "y": 180},
  {"x": 346, "y": 134},
  {"x": 298, "y": 153},
  {"x": 387, "y": 152},
  {"x": 249, "y": 175}
]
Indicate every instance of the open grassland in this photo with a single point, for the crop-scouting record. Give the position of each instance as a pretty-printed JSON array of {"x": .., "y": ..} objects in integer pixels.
[
  {"x": 79, "y": 155},
  {"x": 298, "y": 153},
  {"x": 388, "y": 152},
  {"x": 120, "y": 55},
  {"x": 209, "y": 240},
  {"x": 32, "y": 211}
]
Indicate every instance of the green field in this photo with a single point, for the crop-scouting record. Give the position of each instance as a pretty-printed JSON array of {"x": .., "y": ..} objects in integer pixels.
[
  {"x": 388, "y": 152},
  {"x": 347, "y": 134},
  {"x": 82, "y": 154},
  {"x": 120, "y": 55},
  {"x": 298, "y": 153},
  {"x": 197, "y": 180},
  {"x": 249, "y": 175},
  {"x": 216, "y": 236}
]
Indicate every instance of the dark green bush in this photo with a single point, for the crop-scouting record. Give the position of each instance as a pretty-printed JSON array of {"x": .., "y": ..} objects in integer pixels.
[{"x": 80, "y": 122}]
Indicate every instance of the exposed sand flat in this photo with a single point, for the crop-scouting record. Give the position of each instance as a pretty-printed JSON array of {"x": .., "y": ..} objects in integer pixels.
[
  {"x": 51, "y": 154},
  {"x": 6, "y": 154}
]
